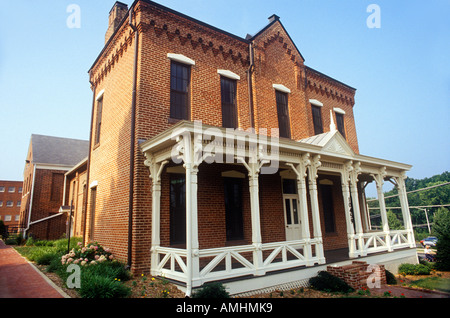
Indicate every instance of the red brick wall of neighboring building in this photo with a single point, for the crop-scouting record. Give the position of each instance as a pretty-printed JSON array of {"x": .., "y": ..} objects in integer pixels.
[{"x": 9, "y": 214}]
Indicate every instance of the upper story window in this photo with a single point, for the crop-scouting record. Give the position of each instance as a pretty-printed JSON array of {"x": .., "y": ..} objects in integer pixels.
[
  {"x": 12, "y": 189},
  {"x": 180, "y": 78},
  {"x": 98, "y": 120},
  {"x": 340, "y": 120},
  {"x": 316, "y": 108},
  {"x": 180, "y": 81},
  {"x": 284, "y": 125},
  {"x": 2, "y": 189},
  {"x": 283, "y": 114},
  {"x": 229, "y": 105}
]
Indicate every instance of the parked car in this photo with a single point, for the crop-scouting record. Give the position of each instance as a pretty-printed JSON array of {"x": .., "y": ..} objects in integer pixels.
[{"x": 431, "y": 241}]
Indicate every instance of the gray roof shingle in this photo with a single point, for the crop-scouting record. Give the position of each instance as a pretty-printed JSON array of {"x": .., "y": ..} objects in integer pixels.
[{"x": 58, "y": 150}]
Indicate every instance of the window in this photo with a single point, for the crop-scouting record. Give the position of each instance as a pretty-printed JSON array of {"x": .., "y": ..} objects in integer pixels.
[
  {"x": 233, "y": 209},
  {"x": 327, "y": 206},
  {"x": 283, "y": 114},
  {"x": 93, "y": 203},
  {"x": 20, "y": 189},
  {"x": 229, "y": 107},
  {"x": 1, "y": 203},
  {"x": 98, "y": 120},
  {"x": 17, "y": 218},
  {"x": 19, "y": 203},
  {"x": 180, "y": 75},
  {"x": 177, "y": 209},
  {"x": 2, "y": 189},
  {"x": 289, "y": 186},
  {"x": 12, "y": 189},
  {"x": 340, "y": 123},
  {"x": 317, "y": 119},
  {"x": 9, "y": 203},
  {"x": 7, "y": 218}
]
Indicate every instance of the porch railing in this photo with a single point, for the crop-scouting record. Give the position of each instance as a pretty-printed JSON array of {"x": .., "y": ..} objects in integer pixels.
[
  {"x": 374, "y": 242},
  {"x": 235, "y": 261}
]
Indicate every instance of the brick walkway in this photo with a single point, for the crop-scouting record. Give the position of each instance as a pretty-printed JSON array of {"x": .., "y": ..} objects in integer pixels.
[{"x": 19, "y": 279}]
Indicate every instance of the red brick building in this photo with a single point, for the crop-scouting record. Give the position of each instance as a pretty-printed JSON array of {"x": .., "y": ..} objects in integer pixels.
[
  {"x": 10, "y": 200},
  {"x": 47, "y": 161},
  {"x": 253, "y": 155}
]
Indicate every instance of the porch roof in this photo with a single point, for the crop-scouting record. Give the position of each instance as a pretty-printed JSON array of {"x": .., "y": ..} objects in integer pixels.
[{"x": 331, "y": 146}]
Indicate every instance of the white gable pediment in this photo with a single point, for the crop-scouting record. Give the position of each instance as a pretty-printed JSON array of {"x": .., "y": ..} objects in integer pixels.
[
  {"x": 331, "y": 142},
  {"x": 338, "y": 144}
]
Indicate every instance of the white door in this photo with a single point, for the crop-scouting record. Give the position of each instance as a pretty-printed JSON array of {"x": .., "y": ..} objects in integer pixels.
[{"x": 291, "y": 217}]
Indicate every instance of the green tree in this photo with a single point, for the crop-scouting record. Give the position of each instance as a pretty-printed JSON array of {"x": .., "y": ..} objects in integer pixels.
[
  {"x": 441, "y": 229},
  {"x": 393, "y": 221}
]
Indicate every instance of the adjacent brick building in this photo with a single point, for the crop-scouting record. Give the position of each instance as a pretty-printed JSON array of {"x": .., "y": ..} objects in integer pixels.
[
  {"x": 165, "y": 87},
  {"x": 47, "y": 161},
  {"x": 10, "y": 200}
]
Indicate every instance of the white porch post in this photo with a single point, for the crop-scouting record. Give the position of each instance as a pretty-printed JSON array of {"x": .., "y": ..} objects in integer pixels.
[
  {"x": 345, "y": 175},
  {"x": 379, "y": 180},
  {"x": 312, "y": 175},
  {"x": 403, "y": 196},
  {"x": 191, "y": 155},
  {"x": 356, "y": 210},
  {"x": 300, "y": 171},
  {"x": 253, "y": 172},
  {"x": 155, "y": 174}
]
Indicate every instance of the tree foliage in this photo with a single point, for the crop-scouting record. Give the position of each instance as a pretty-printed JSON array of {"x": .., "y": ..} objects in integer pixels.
[{"x": 434, "y": 196}]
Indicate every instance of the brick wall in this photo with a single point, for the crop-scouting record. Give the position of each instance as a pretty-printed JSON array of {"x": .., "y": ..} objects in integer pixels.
[
  {"x": 14, "y": 197},
  {"x": 359, "y": 275},
  {"x": 47, "y": 199}
]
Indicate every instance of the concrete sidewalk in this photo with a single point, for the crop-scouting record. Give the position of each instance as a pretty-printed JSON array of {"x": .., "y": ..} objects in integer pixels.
[{"x": 20, "y": 279}]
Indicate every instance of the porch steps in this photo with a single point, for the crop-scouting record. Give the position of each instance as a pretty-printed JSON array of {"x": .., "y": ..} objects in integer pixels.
[{"x": 359, "y": 274}]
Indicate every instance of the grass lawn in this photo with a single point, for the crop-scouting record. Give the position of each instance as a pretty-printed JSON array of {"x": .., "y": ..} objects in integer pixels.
[{"x": 433, "y": 283}]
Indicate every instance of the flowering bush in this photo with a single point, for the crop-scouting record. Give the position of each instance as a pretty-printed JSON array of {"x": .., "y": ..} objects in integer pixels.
[{"x": 91, "y": 254}]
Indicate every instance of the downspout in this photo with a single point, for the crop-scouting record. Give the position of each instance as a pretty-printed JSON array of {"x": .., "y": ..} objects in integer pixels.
[
  {"x": 31, "y": 202},
  {"x": 250, "y": 85},
  {"x": 86, "y": 196},
  {"x": 133, "y": 138}
]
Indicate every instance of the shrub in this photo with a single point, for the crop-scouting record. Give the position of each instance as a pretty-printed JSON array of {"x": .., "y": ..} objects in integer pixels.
[
  {"x": 324, "y": 281},
  {"x": 442, "y": 229},
  {"x": 94, "y": 286},
  {"x": 390, "y": 278},
  {"x": 414, "y": 269},
  {"x": 92, "y": 254},
  {"x": 212, "y": 290}
]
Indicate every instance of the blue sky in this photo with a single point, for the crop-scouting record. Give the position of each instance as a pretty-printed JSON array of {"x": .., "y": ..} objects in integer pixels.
[{"x": 401, "y": 70}]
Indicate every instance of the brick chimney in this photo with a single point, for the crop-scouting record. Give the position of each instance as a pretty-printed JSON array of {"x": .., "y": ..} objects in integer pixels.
[{"x": 116, "y": 15}]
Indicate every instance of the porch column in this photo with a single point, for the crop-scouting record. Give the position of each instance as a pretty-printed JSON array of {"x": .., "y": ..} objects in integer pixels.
[
  {"x": 345, "y": 175},
  {"x": 155, "y": 174},
  {"x": 356, "y": 210},
  {"x": 312, "y": 176},
  {"x": 192, "y": 157},
  {"x": 379, "y": 180},
  {"x": 300, "y": 171},
  {"x": 403, "y": 196}
]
